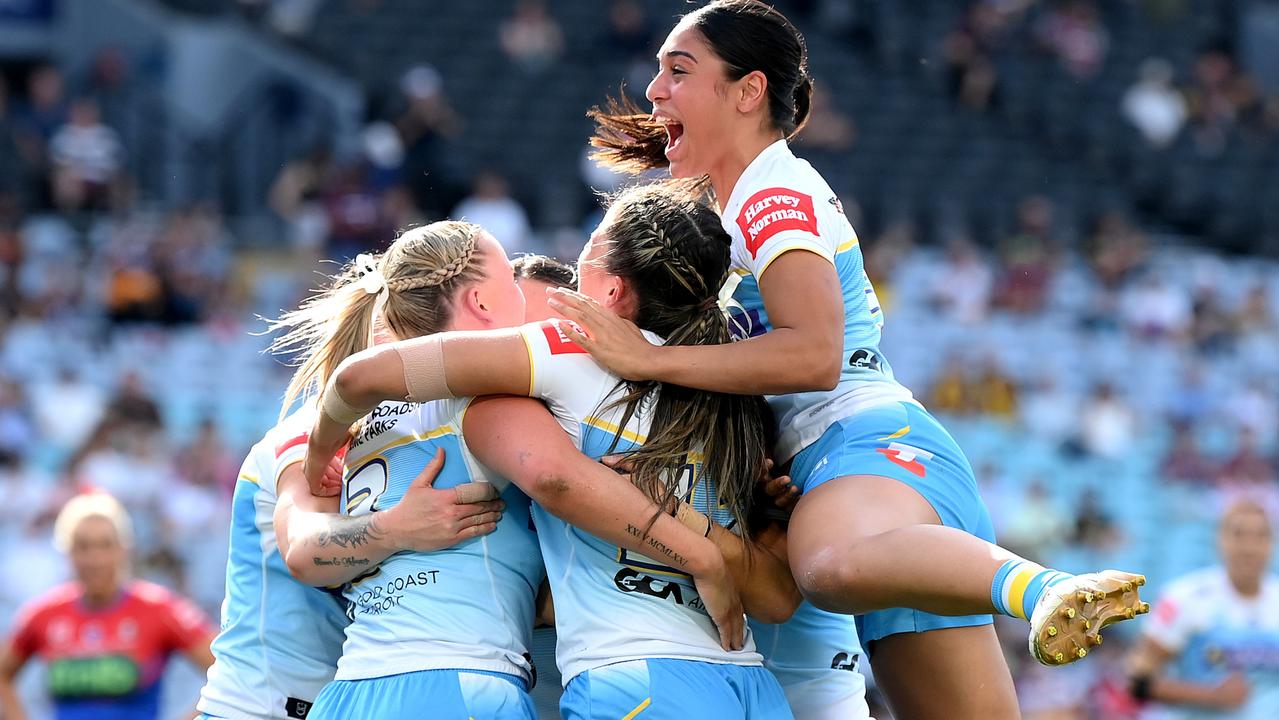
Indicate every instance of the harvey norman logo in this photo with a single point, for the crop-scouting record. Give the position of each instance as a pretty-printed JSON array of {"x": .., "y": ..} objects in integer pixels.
[{"x": 774, "y": 210}]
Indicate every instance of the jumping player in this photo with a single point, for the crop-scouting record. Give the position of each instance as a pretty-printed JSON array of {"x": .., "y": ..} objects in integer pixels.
[
  {"x": 890, "y": 516},
  {"x": 105, "y": 638},
  {"x": 634, "y": 633}
]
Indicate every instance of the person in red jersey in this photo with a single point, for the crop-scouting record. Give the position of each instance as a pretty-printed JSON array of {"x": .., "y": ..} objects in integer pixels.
[{"x": 105, "y": 638}]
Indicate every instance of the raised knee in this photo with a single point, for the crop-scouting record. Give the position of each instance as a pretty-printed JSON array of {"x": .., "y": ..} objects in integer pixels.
[{"x": 831, "y": 581}]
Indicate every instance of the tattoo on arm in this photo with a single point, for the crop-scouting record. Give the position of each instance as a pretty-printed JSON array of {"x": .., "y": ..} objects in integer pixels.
[
  {"x": 344, "y": 561},
  {"x": 657, "y": 546},
  {"x": 349, "y": 532}
]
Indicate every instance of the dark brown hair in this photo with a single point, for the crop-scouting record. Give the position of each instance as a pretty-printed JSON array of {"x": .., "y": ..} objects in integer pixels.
[
  {"x": 544, "y": 268},
  {"x": 747, "y": 35},
  {"x": 670, "y": 248}
]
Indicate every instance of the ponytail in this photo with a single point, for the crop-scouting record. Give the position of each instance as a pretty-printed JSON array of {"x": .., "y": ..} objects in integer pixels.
[
  {"x": 330, "y": 326},
  {"x": 672, "y": 250},
  {"x": 803, "y": 105},
  {"x": 626, "y": 138},
  {"x": 415, "y": 280}
]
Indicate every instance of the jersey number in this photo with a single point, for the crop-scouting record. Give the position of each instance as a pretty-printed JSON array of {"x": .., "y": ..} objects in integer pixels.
[{"x": 364, "y": 486}]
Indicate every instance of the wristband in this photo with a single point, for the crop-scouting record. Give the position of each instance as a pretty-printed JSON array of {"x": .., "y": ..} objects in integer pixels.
[{"x": 1140, "y": 688}]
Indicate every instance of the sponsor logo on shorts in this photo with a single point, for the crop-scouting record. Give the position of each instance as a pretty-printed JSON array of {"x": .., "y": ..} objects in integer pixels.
[
  {"x": 558, "y": 342},
  {"x": 906, "y": 456},
  {"x": 845, "y": 661},
  {"x": 775, "y": 210},
  {"x": 864, "y": 359},
  {"x": 296, "y": 708}
]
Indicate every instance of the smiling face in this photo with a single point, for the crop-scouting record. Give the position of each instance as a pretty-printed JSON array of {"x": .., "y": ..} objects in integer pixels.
[{"x": 691, "y": 98}]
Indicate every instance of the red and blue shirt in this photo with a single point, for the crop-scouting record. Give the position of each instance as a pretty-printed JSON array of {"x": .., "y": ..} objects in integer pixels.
[{"x": 105, "y": 663}]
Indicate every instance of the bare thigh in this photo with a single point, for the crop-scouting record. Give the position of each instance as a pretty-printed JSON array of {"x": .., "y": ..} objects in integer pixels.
[{"x": 949, "y": 674}]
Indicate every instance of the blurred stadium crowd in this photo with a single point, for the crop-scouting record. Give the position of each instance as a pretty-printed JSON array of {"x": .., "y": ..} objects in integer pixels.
[{"x": 1068, "y": 208}]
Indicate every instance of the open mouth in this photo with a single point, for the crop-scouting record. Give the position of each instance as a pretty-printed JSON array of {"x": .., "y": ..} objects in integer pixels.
[{"x": 674, "y": 131}]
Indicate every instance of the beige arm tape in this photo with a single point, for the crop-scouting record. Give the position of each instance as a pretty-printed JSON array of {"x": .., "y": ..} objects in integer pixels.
[
  {"x": 693, "y": 519},
  {"x": 423, "y": 362},
  {"x": 336, "y": 407}
]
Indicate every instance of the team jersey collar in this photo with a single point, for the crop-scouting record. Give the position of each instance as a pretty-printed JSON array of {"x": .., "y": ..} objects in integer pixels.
[{"x": 770, "y": 154}]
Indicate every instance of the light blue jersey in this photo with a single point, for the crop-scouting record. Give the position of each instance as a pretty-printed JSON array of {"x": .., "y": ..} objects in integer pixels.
[
  {"x": 613, "y": 605},
  {"x": 1215, "y": 632},
  {"x": 468, "y": 607},
  {"x": 781, "y": 204},
  {"x": 280, "y": 639}
]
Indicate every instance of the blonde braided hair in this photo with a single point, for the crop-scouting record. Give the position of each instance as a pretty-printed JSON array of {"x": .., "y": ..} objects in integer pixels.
[
  {"x": 442, "y": 274},
  {"x": 423, "y": 270}
]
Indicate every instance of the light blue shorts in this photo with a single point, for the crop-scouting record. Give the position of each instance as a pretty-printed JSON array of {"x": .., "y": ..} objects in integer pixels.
[
  {"x": 427, "y": 694},
  {"x": 903, "y": 442},
  {"x": 662, "y": 689},
  {"x": 815, "y": 656}
]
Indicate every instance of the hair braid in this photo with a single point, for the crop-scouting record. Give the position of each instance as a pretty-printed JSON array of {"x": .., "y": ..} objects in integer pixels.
[
  {"x": 673, "y": 251},
  {"x": 672, "y": 255},
  {"x": 439, "y": 275}
]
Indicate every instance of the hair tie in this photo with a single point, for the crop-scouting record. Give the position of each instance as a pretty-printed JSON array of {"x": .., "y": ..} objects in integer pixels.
[{"x": 369, "y": 275}]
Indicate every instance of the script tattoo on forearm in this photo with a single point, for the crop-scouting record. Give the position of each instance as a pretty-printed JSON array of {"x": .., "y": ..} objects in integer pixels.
[
  {"x": 343, "y": 561},
  {"x": 657, "y": 546},
  {"x": 349, "y": 532}
]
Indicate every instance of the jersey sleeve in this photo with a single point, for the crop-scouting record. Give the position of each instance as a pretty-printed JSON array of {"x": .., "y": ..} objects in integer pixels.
[
  {"x": 1172, "y": 622},
  {"x": 776, "y": 220},
  {"x": 185, "y": 625},
  {"x": 288, "y": 446},
  {"x": 561, "y": 372},
  {"x": 28, "y": 630}
]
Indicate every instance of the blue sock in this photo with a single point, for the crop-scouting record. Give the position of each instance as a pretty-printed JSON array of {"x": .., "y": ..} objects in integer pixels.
[{"x": 1018, "y": 586}]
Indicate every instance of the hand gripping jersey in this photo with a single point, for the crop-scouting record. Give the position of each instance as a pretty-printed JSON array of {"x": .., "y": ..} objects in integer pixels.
[
  {"x": 468, "y": 607},
  {"x": 280, "y": 639},
  {"x": 614, "y": 605},
  {"x": 781, "y": 204},
  {"x": 105, "y": 663},
  {"x": 1215, "y": 632}
]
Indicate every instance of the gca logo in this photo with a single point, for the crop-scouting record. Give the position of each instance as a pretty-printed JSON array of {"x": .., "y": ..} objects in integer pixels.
[{"x": 629, "y": 581}]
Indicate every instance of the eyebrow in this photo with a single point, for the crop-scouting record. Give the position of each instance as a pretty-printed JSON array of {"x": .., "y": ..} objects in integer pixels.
[{"x": 676, "y": 53}]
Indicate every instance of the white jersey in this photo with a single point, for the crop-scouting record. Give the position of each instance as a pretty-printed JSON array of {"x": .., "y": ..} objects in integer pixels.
[
  {"x": 467, "y": 607},
  {"x": 611, "y": 604},
  {"x": 816, "y": 657},
  {"x": 280, "y": 639},
  {"x": 1215, "y": 632},
  {"x": 780, "y": 204}
]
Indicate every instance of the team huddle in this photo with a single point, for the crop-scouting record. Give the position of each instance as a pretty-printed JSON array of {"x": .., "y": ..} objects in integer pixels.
[
  {"x": 690, "y": 456},
  {"x": 468, "y": 450}
]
